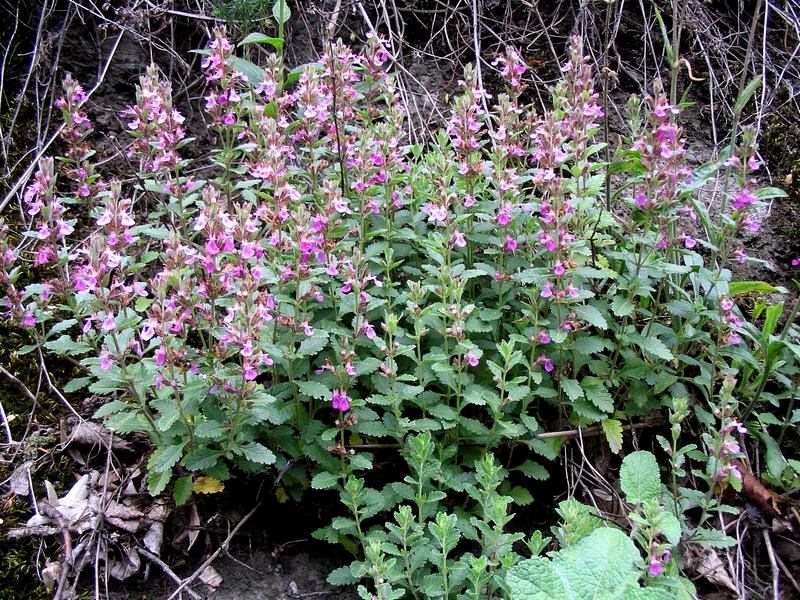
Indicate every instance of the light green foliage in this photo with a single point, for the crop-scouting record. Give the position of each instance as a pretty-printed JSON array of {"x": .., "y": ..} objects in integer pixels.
[
  {"x": 603, "y": 564},
  {"x": 639, "y": 477}
]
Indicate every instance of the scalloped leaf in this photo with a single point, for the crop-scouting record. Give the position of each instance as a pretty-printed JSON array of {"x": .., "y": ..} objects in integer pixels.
[
  {"x": 639, "y": 477},
  {"x": 600, "y": 565}
]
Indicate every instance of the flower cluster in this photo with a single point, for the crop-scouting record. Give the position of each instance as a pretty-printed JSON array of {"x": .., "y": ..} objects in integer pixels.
[
  {"x": 155, "y": 125},
  {"x": 663, "y": 158},
  {"x": 657, "y": 562}
]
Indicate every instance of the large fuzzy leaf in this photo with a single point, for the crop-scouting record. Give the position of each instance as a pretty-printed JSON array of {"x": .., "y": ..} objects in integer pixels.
[{"x": 601, "y": 565}]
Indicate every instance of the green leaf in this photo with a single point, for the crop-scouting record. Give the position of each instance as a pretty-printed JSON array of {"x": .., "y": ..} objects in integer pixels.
[
  {"x": 713, "y": 538},
  {"x": 613, "y": 430},
  {"x": 596, "y": 392},
  {"x": 262, "y": 38},
  {"x": 639, "y": 477},
  {"x": 257, "y": 453},
  {"x": 775, "y": 461},
  {"x": 202, "y": 458},
  {"x": 324, "y": 480},
  {"x": 66, "y": 346},
  {"x": 587, "y": 345},
  {"x": 111, "y": 408},
  {"x": 76, "y": 384},
  {"x": 314, "y": 389},
  {"x": 313, "y": 345},
  {"x": 622, "y": 307},
  {"x": 521, "y": 496},
  {"x": 253, "y": 72},
  {"x": 670, "y": 527},
  {"x": 600, "y": 565},
  {"x": 572, "y": 389},
  {"x": 157, "y": 481},
  {"x": 182, "y": 490},
  {"x": 770, "y": 192},
  {"x": 342, "y": 576},
  {"x": 165, "y": 457},
  {"x": 651, "y": 345},
  {"x": 211, "y": 430},
  {"x": 773, "y": 313},
  {"x": 60, "y": 326},
  {"x": 746, "y": 94},
  {"x": 281, "y": 12},
  {"x": 533, "y": 470},
  {"x": 591, "y": 315},
  {"x": 737, "y": 288}
]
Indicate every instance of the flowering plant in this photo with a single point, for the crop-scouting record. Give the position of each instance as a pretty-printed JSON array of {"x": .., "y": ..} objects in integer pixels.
[{"x": 329, "y": 290}]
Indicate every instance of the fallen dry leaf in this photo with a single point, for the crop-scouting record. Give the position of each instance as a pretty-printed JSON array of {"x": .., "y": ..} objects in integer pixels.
[
  {"x": 128, "y": 564},
  {"x": 755, "y": 492},
  {"x": 51, "y": 574},
  {"x": 211, "y": 578},
  {"x": 707, "y": 563}
]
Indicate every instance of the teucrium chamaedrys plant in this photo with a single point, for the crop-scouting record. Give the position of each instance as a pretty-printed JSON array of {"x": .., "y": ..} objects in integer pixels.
[{"x": 329, "y": 290}]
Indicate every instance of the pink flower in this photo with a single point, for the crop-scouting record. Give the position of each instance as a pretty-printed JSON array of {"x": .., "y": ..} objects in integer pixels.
[
  {"x": 105, "y": 360},
  {"x": 547, "y": 292},
  {"x": 740, "y": 427},
  {"x": 510, "y": 244},
  {"x": 29, "y": 320},
  {"x": 350, "y": 369},
  {"x": 559, "y": 268},
  {"x": 161, "y": 355},
  {"x": 573, "y": 291},
  {"x": 745, "y": 198},
  {"x": 108, "y": 323},
  {"x": 547, "y": 363},
  {"x": 472, "y": 360},
  {"x": 503, "y": 218},
  {"x": 656, "y": 568},
  {"x": 340, "y": 400},
  {"x": 458, "y": 239}
]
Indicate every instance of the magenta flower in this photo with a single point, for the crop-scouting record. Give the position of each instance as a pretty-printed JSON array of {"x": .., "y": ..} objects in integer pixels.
[
  {"x": 340, "y": 400},
  {"x": 510, "y": 244},
  {"x": 547, "y": 292},
  {"x": 546, "y": 363},
  {"x": 472, "y": 360},
  {"x": 573, "y": 291},
  {"x": 108, "y": 323},
  {"x": 29, "y": 320},
  {"x": 656, "y": 568},
  {"x": 458, "y": 239},
  {"x": 105, "y": 360},
  {"x": 745, "y": 198},
  {"x": 161, "y": 355}
]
